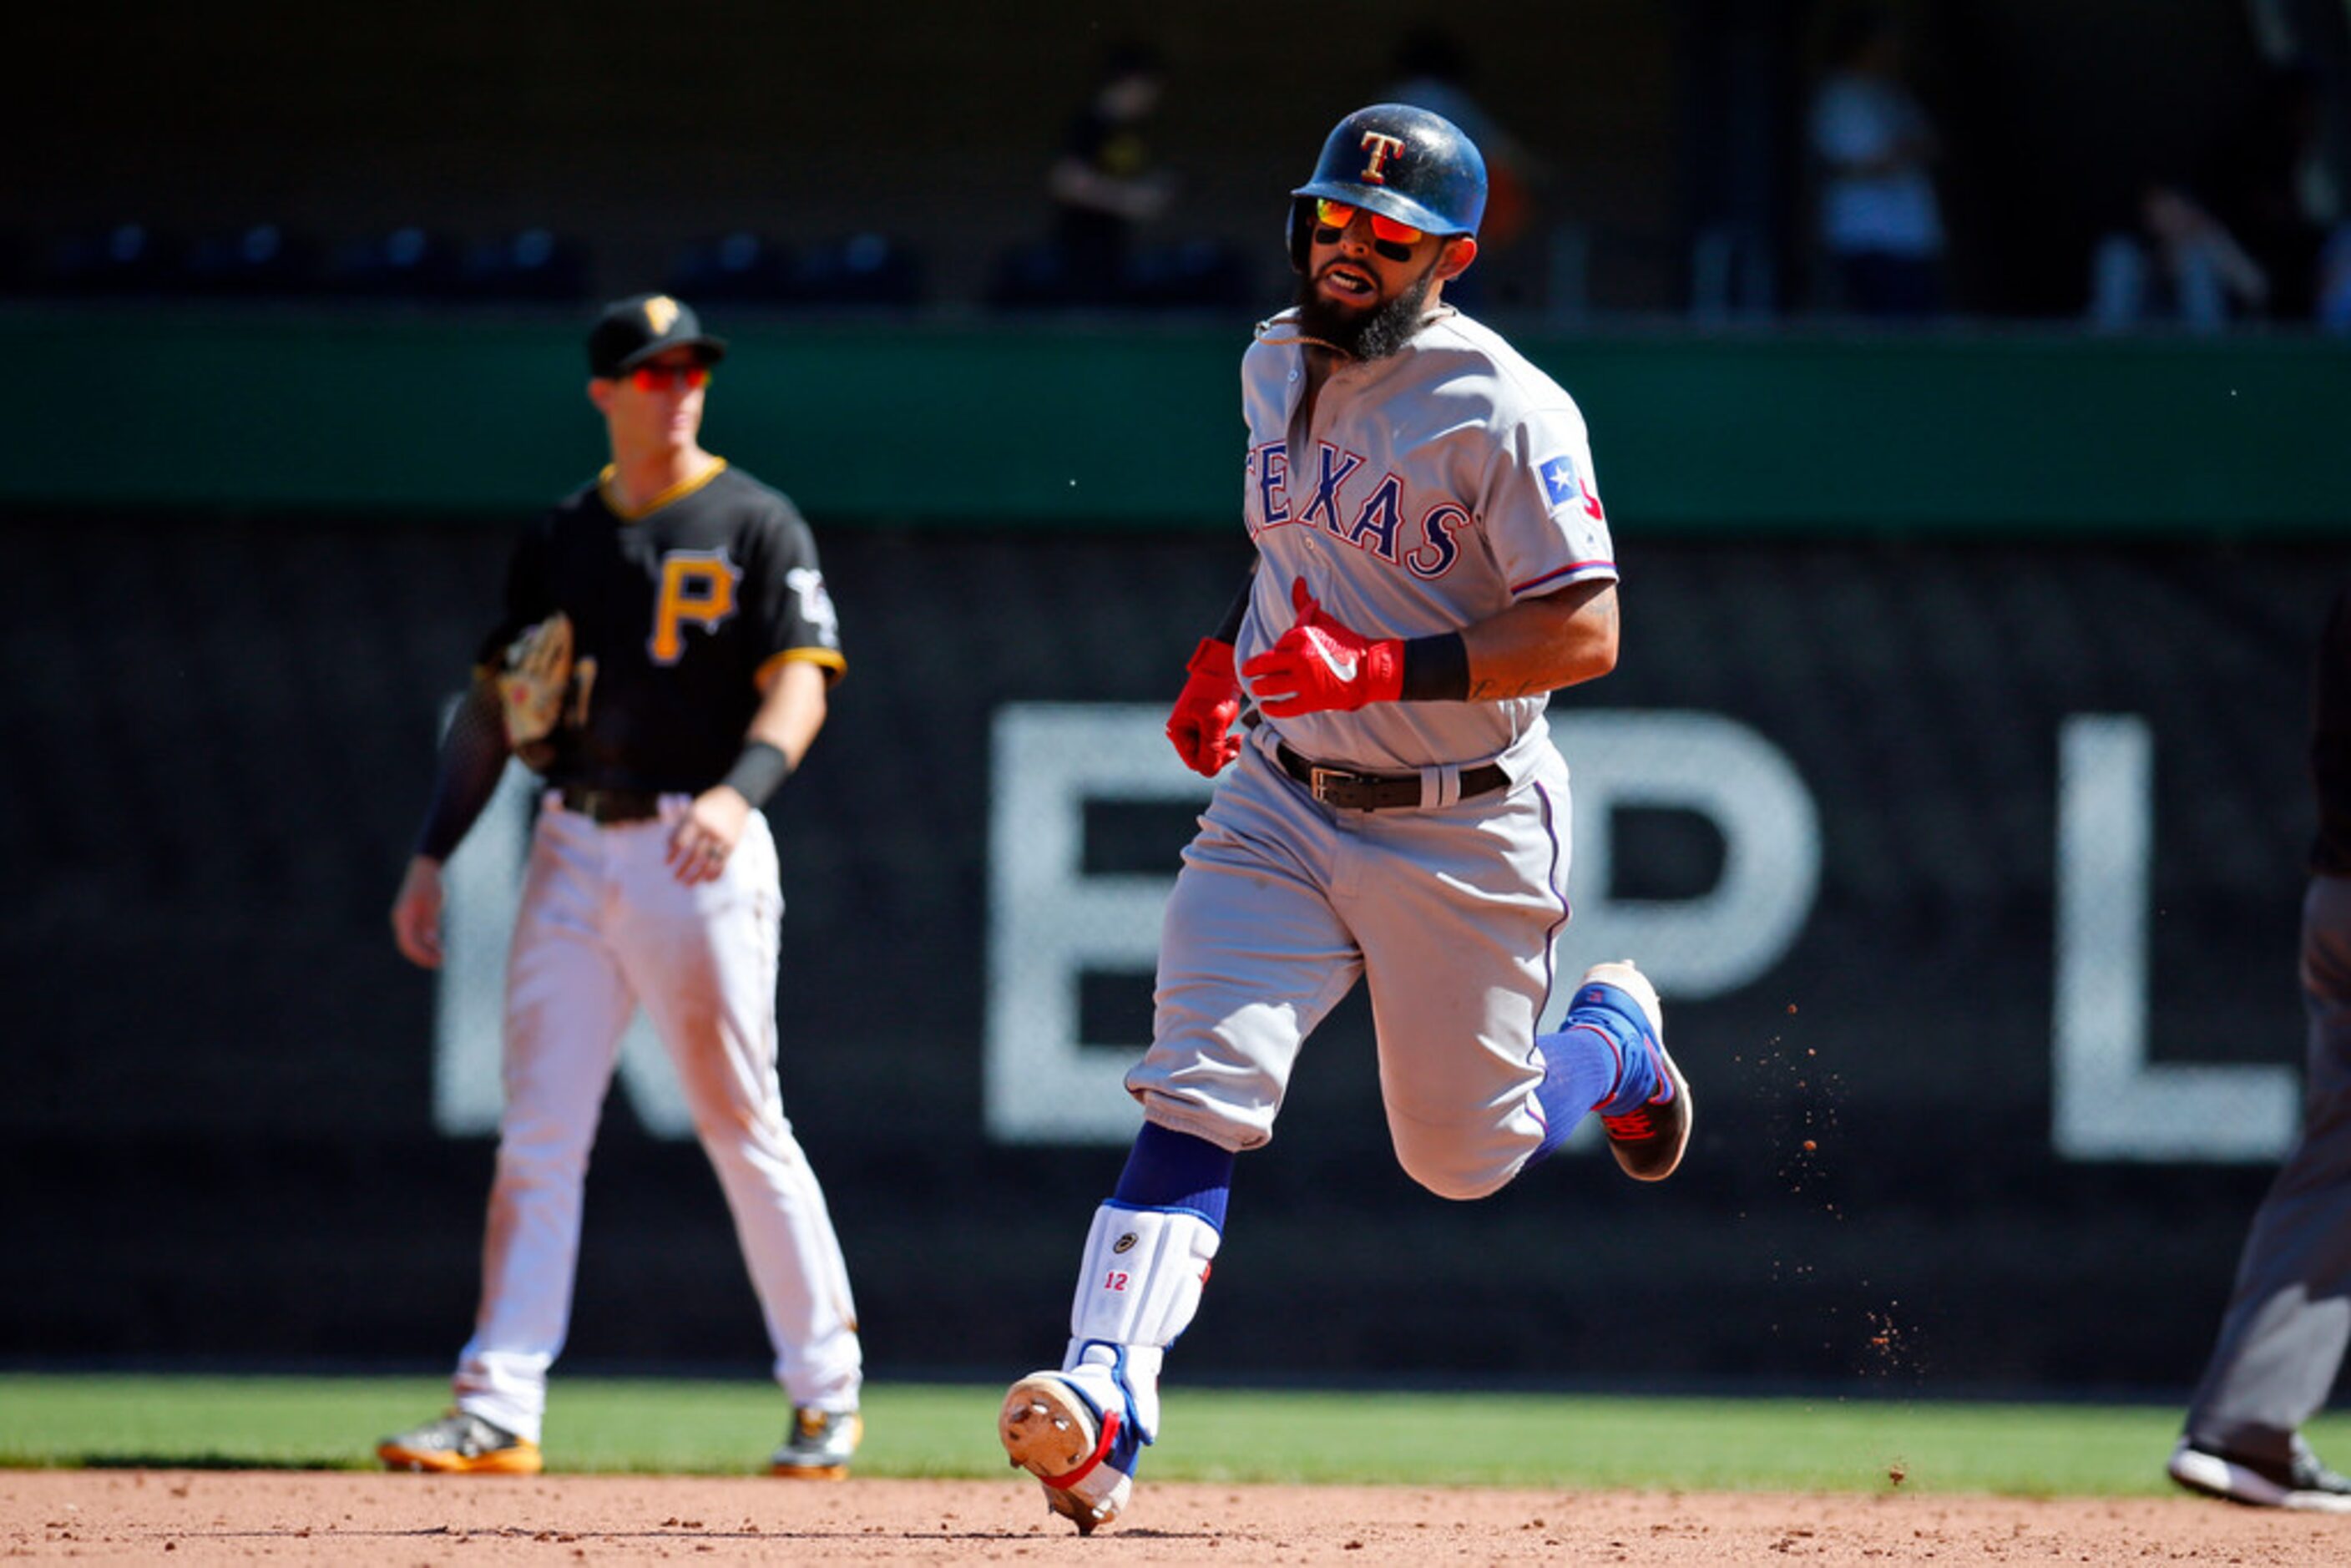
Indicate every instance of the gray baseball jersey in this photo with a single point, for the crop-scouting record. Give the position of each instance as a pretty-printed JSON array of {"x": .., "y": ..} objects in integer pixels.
[
  {"x": 1437, "y": 487},
  {"x": 1428, "y": 489}
]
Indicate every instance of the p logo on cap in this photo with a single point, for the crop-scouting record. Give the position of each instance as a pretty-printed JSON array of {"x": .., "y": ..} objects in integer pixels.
[{"x": 632, "y": 330}]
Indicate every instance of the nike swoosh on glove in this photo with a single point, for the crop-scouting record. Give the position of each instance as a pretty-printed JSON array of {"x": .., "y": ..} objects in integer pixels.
[
  {"x": 1320, "y": 663},
  {"x": 1200, "y": 727}
]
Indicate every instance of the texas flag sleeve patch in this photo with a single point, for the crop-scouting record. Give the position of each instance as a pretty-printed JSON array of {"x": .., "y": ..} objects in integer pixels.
[{"x": 1559, "y": 482}]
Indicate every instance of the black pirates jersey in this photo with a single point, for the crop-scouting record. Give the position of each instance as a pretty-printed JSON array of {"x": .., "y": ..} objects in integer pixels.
[{"x": 676, "y": 611}]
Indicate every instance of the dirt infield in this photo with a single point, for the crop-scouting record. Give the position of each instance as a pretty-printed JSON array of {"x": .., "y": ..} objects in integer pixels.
[{"x": 213, "y": 1516}]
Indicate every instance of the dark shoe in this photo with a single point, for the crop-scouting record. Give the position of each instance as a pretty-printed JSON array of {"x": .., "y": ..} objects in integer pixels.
[{"x": 2301, "y": 1483}]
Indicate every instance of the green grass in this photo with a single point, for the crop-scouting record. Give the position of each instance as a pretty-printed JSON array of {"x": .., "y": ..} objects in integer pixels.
[{"x": 1531, "y": 1441}]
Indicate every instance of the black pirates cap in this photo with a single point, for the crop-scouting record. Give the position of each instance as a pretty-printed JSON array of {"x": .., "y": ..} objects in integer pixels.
[{"x": 634, "y": 330}]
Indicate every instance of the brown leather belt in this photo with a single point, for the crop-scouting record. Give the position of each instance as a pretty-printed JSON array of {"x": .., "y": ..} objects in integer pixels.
[
  {"x": 1377, "y": 792},
  {"x": 612, "y": 805}
]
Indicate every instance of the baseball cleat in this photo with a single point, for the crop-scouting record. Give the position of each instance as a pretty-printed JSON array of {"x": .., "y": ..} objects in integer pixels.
[
  {"x": 460, "y": 1445},
  {"x": 819, "y": 1445},
  {"x": 2301, "y": 1482},
  {"x": 1648, "y": 1140},
  {"x": 1054, "y": 1432}
]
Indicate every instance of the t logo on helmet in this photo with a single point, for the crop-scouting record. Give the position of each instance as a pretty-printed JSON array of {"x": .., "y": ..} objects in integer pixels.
[{"x": 1381, "y": 147}]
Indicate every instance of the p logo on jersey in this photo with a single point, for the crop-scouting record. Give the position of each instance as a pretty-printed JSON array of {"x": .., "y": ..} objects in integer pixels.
[
  {"x": 1380, "y": 147},
  {"x": 697, "y": 588}
]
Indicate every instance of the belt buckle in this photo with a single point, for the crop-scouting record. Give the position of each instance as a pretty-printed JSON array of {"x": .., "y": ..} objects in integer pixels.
[{"x": 1320, "y": 780}]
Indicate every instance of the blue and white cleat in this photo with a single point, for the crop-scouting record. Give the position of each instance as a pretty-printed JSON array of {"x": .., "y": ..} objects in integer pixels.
[
  {"x": 1080, "y": 1444},
  {"x": 1648, "y": 1140}
]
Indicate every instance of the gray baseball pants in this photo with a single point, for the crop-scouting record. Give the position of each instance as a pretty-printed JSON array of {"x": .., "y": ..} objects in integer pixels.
[{"x": 2282, "y": 1338}]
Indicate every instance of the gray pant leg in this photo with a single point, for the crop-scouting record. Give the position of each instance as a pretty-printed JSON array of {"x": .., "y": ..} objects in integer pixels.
[{"x": 2281, "y": 1341}]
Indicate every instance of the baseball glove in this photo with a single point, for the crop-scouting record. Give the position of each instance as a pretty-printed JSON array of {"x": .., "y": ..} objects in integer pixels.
[{"x": 533, "y": 682}]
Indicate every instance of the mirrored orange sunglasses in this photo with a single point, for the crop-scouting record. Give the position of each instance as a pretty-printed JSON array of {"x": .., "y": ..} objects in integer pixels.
[
  {"x": 661, "y": 378},
  {"x": 1333, "y": 214}
]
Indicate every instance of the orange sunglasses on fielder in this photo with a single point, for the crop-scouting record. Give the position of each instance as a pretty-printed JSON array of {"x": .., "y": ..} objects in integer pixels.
[
  {"x": 661, "y": 378},
  {"x": 1333, "y": 214}
]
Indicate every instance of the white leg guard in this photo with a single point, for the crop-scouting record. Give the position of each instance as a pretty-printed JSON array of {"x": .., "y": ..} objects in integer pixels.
[
  {"x": 1081, "y": 1431},
  {"x": 1137, "y": 1291}
]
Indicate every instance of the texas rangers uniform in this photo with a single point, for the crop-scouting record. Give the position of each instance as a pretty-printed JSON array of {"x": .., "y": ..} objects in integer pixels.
[
  {"x": 1434, "y": 488},
  {"x": 1398, "y": 813}
]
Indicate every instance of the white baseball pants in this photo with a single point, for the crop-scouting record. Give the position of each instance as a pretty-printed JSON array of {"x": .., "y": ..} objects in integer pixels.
[{"x": 605, "y": 924}]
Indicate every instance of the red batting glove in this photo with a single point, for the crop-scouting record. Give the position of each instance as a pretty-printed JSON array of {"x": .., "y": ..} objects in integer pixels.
[
  {"x": 1200, "y": 727},
  {"x": 1319, "y": 664}
]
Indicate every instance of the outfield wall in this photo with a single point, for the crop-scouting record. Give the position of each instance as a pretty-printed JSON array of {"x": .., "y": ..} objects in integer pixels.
[
  {"x": 1970, "y": 867},
  {"x": 1098, "y": 424}
]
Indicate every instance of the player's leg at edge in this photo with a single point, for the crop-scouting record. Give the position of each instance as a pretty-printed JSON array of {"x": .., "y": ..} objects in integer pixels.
[
  {"x": 1609, "y": 1057},
  {"x": 1081, "y": 1429}
]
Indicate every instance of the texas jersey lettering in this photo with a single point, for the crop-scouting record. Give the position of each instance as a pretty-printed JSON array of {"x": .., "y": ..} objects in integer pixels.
[{"x": 1401, "y": 469}]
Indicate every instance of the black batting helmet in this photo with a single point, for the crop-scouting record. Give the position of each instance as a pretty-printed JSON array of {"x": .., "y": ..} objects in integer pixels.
[{"x": 1404, "y": 163}]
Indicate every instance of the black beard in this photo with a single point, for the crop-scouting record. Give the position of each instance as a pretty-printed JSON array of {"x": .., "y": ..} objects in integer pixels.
[{"x": 1373, "y": 334}]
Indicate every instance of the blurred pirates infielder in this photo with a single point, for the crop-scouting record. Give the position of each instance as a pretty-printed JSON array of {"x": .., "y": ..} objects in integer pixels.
[
  {"x": 664, "y": 659},
  {"x": 1433, "y": 562}
]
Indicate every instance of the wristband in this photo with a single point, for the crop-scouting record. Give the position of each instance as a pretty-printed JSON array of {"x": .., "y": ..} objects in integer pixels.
[
  {"x": 759, "y": 773},
  {"x": 1436, "y": 669}
]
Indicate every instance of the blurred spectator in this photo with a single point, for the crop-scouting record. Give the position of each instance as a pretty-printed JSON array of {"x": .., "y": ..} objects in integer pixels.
[
  {"x": 1880, "y": 220},
  {"x": 1104, "y": 183},
  {"x": 2334, "y": 283},
  {"x": 2181, "y": 265},
  {"x": 2264, "y": 238},
  {"x": 2276, "y": 190},
  {"x": 1431, "y": 71}
]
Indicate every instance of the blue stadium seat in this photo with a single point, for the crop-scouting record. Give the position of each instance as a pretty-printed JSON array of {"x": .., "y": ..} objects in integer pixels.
[
  {"x": 862, "y": 269},
  {"x": 1197, "y": 275},
  {"x": 533, "y": 265},
  {"x": 739, "y": 268},
  {"x": 1029, "y": 277},
  {"x": 406, "y": 263},
  {"x": 261, "y": 261},
  {"x": 125, "y": 258}
]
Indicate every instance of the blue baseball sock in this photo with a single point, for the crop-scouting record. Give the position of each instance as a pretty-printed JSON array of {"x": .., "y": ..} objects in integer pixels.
[
  {"x": 1599, "y": 1060},
  {"x": 1168, "y": 1169}
]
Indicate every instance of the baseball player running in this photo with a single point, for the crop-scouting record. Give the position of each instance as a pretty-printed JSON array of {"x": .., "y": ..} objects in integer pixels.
[
  {"x": 664, "y": 659},
  {"x": 1433, "y": 561}
]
